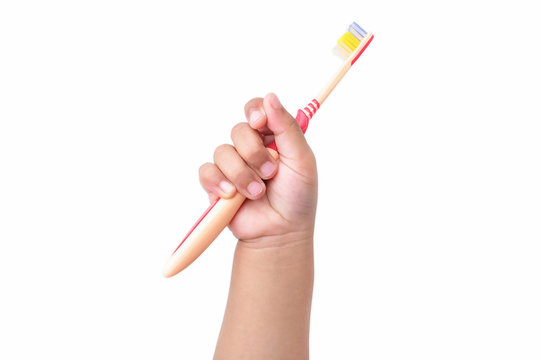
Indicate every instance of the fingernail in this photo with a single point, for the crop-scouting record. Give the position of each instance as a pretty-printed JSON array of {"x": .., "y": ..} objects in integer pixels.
[
  {"x": 274, "y": 101},
  {"x": 227, "y": 187},
  {"x": 254, "y": 188},
  {"x": 255, "y": 117},
  {"x": 267, "y": 169}
]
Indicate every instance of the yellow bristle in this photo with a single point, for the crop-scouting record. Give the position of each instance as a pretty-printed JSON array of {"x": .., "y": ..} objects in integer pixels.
[{"x": 348, "y": 42}]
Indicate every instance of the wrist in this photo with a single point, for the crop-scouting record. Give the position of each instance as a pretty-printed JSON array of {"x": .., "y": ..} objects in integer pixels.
[
  {"x": 276, "y": 251},
  {"x": 290, "y": 239}
]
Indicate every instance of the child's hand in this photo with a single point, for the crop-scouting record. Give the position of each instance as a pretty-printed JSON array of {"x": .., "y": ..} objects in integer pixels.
[{"x": 286, "y": 204}]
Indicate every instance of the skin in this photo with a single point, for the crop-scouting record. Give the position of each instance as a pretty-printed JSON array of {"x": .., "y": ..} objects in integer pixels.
[{"x": 269, "y": 304}]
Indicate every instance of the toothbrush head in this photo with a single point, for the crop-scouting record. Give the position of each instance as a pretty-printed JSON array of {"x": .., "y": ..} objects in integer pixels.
[{"x": 350, "y": 41}]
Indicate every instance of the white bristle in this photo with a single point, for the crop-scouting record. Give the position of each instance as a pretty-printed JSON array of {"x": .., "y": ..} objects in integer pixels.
[{"x": 341, "y": 52}]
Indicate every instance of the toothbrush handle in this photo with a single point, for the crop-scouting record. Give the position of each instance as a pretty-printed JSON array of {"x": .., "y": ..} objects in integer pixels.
[{"x": 219, "y": 214}]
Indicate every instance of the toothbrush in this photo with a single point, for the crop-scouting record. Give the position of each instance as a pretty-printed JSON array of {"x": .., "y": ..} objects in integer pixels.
[{"x": 218, "y": 215}]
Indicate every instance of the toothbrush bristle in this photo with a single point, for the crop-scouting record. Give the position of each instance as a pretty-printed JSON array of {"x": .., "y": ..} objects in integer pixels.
[
  {"x": 357, "y": 31},
  {"x": 350, "y": 40}
]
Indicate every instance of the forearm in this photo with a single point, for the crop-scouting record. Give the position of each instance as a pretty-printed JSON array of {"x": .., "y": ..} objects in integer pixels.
[{"x": 268, "y": 309}]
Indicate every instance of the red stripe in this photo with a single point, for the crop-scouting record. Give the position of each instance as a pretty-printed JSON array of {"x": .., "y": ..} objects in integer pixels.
[
  {"x": 361, "y": 51},
  {"x": 197, "y": 223},
  {"x": 316, "y": 103},
  {"x": 312, "y": 107},
  {"x": 309, "y": 111}
]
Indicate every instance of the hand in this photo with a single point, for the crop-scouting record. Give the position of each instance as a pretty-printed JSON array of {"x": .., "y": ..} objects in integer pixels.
[{"x": 286, "y": 204}]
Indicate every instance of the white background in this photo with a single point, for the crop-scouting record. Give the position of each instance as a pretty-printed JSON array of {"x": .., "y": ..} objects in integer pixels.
[{"x": 428, "y": 226}]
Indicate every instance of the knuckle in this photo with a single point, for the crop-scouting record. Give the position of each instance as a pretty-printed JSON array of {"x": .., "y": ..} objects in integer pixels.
[
  {"x": 252, "y": 102},
  {"x": 204, "y": 168},
  {"x": 237, "y": 129},
  {"x": 221, "y": 150}
]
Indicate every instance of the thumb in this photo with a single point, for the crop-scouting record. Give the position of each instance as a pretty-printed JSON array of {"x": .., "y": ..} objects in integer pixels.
[{"x": 289, "y": 138}]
